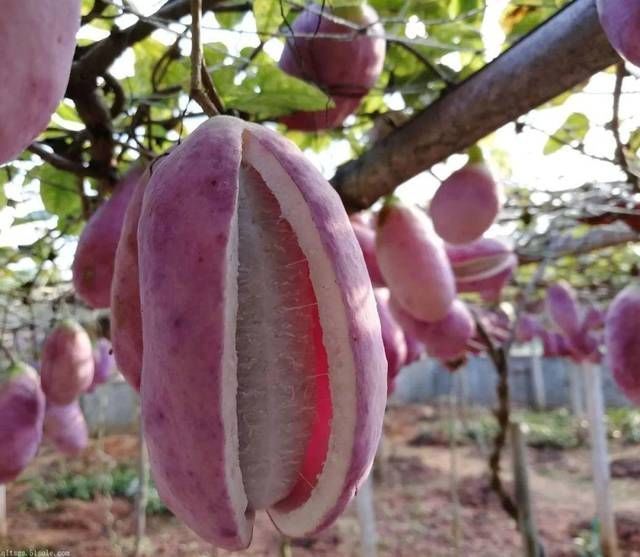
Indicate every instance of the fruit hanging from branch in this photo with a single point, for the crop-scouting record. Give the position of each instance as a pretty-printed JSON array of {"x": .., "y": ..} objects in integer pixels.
[
  {"x": 393, "y": 337},
  {"x": 22, "y": 406},
  {"x": 466, "y": 204},
  {"x": 37, "y": 41},
  {"x": 346, "y": 66},
  {"x": 620, "y": 20},
  {"x": 67, "y": 365},
  {"x": 264, "y": 375},
  {"x": 66, "y": 428},
  {"x": 94, "y": 258},
  {"x": 622, "y": 339},
  {"x": 413, "y": 262}
]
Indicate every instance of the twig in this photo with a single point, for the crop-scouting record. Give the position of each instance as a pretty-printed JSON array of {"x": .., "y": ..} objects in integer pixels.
[
  {"x": 62, "y": 163},
  {"x": 621, "y": 159},
  {"x": 427, "y": 63},
  {"x": 7, "y": 353},
  {"x": 502, "y": 414},
  {"x": 198, "y": 92}
]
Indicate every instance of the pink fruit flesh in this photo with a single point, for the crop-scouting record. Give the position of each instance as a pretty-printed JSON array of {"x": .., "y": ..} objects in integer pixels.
[
  {"x": 66, "y": 428},
  {"x": 562, "y": 307},
  {"x": 37, "y": 39},
  {"x": 254, "y": 287},
  {"x": 67, "y": 365},
  {"x": 94, "y": 259},
  {"x": 622, "y": 340},
  {"x": 21, "y": 414},
  {"x": 465, "y": 205},
  {"x": 413, "y": 263},
  {"x": 395, "y": 345},
  {"x": 345, "y": 70},
  {"x": 126, "y": 323},
  {"x": 620, "y": 20}
]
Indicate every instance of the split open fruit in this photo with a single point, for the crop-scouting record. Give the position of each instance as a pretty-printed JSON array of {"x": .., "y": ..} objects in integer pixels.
[{"x": 264, "y": 376}]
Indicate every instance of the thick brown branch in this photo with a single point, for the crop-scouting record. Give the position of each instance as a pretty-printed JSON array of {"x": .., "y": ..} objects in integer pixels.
[
  {"x": 550, "y": 60},
  {"x": 62, "y": 163}
]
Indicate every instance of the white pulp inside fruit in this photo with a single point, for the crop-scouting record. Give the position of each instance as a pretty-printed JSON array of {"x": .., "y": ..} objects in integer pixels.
[{"x": 277, "y": 313}]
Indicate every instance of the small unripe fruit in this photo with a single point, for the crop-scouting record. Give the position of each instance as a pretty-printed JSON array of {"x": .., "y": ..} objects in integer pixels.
[
  {"x": 264, "y": 374},
  {"x": 345, "y": 69},
  {"x": 395, "y": 344},
  {"x": 622, "y": 340},
  {"x": 22, "y": 405},
  {"x": 413, "y": 262},
  {"x": 37, "y": 42},
  {"x": 66, "y": 428},
  {"x": 95, "y": 255},
  {"x": 465, "y": 205},
  {"x": 620, "y": 20},
  {"x": 104, "y": 363},
  {"x": 67, "y": 365}
]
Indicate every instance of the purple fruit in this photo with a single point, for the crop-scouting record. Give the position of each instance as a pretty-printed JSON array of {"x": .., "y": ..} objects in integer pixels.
[
  {"x": 395, "y": 344},
  {"x": 562, "y": 307},
  {"x": 66, "y": 428},
  {"x": 37, "y": 42},
  {"x": 264, "y": 374},
  {"x": 104, "y": 363},
  {"x": 95, "y": 255},
  {"x": 367, "y": 240},
  {"x": 66, "y": 365},
  {"x": 527, "y": 327},
  {"x": 413, "y": 262},
  {"x": 622, "y": 340},
  {"x": 345, "y": 69},
  {"x": 465, "y": 205},
  {"x": 22, "y": 406},
  {"x": 620, "y": 20}
]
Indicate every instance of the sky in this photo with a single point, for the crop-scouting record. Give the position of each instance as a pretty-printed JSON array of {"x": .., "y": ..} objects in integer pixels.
[{"x": 527, "y": 166}]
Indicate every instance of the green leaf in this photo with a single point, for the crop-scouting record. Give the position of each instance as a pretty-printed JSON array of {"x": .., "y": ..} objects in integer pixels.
[
  {"x": 574, "y": 128},
  {"x": 58, "y": 191},
  {"x": 268, "y": 15}
]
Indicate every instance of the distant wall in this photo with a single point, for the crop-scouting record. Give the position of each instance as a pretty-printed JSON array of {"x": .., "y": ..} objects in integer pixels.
[{"x": 426, "y": 381}]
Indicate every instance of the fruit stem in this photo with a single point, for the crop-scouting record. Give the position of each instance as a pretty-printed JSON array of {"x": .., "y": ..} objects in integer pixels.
[{"x": 475, "y": 154}]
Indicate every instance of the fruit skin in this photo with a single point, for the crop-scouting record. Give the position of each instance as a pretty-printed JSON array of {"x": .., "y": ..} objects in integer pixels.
[
  {"x": 620, "y": 20},
  {"x": 395, "y": 344},
  {"x": 185, "y": 252},
  {"x": 622, "y": 340},
  {"x": 367, "y": 240},
  {"x": 345, "y": 70},
  {"x": 22, "y": 406},
  {"x": 66, "y": 367},
  {"x": 126, "y": 322},
  {"x": 483, "y": 266},
  {"x": 104, "y": 363},
  {"x": 527, "y": 327},
  {"x": 66, "y": 428},
  {"x": 466, "y": 204},
  {"x": 446, "y": 339},
  {"x": 562, "y": 307},
  {"x": 413, "y": 262},
  {"x": 94, "y": 258},
  {"x": 38, "y": 39}
]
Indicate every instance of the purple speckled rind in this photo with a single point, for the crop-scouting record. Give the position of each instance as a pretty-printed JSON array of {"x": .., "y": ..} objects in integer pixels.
[
  {"x": 358, "y": 304},
  {"x": 66, "y": 363},
  {"x": 126, "y": 321},
  {"x": 346, "y": 70},
  {"x": 37, "y": 39},
  {"x": 186, "y": 254},
  {"x": 562, "y": 307},
  {"x": 414, "y": 263},
  {"x": 622, "y": 339},
  {"x": 465, "y": 205},
  {"x": 620, "y": 20},
  {"x": 95, "y": 255},
  {"x": 22, "y": 406},
  {"x": 393, "y": 337}
]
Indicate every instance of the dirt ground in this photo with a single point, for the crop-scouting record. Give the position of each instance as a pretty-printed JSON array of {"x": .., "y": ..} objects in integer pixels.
[{"x": 412, "y": 504}]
